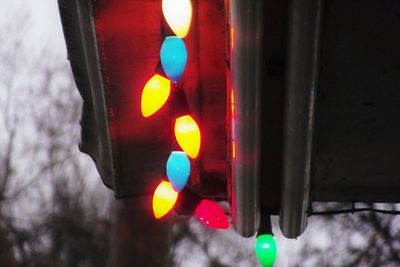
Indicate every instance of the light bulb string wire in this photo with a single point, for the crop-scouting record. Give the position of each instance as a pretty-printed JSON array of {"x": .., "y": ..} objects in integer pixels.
[
  {"x": 265, "y": 225},
  {"x": 351, "y": 210}
]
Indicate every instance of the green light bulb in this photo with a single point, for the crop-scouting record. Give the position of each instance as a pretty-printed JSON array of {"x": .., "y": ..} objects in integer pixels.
[{"x": 266, "y": 250}]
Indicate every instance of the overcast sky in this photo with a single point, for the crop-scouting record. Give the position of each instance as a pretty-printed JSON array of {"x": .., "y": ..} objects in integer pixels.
[{"x": 44, "y": 21}]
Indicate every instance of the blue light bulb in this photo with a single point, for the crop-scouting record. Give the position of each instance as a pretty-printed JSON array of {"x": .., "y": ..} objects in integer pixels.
[
  {"x": 178, "y": 169},
  {"x": 173, "y": 57}
]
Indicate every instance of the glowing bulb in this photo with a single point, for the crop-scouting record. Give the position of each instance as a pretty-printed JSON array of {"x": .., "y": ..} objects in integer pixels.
[
  {"x": 164, "y": 199},
  {"x": 155, "y": 94},
  {"x": 173, "y": 57},
  {"x": 178, "y": 14},
  {"x": 187, "y": 133},
  {"x": 211, "y": 214},
  {"x": 266, "y": 250},
  {"x": 178, "y": 169}
]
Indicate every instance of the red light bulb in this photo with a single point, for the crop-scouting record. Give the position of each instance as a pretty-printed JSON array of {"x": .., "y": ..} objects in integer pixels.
[{"x": 211, "y": 214}]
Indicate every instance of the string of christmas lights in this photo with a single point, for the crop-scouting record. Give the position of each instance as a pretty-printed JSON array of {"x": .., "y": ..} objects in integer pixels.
[{"x": 156, "y": 92}]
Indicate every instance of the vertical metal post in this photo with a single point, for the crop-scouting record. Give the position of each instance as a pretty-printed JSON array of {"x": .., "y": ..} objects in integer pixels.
[
  {"x": 302, "y": 73},
  {"x": 246, "y": 77}
]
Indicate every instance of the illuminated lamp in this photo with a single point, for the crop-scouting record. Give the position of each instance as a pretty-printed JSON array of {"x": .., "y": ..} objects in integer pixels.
[
  {"x": 155, "y": 94},
  {"x": 164, "y": 199},
  {"x": 211, "y": 214},
  {"x": 173, "y": 57},
  {"x": 178, "y": 169},
  {"x": 178, "y": 14},
  {"x": 187, "y": 134},
  {"x": 266, "y": 250}
]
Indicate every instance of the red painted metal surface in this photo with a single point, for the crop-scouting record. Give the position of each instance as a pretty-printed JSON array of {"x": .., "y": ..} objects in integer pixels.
[{"x": 129, "y": 35}]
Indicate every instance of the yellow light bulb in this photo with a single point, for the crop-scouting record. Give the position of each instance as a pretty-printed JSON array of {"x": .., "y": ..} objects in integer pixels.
[
  {"x": 164, "y": 199},
  {"x": 188, "y": 135},
  {"x": 178, "y": 14},
  {"x": 155, "y": 94}
]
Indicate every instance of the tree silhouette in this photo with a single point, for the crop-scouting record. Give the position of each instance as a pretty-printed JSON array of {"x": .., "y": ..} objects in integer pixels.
[
  {"x": 354, "y": 239},
  {"x": 52, "y": 211}
]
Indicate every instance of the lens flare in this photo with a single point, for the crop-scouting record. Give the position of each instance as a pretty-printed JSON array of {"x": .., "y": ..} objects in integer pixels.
[
  {"x": 164, "y": 199},
  {"x": 155, "y": 94},
  {"x": 178, "y": 14},
  {"x": 188, "y": 136}
]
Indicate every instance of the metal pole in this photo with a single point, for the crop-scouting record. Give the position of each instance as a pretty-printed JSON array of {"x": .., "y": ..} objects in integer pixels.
[
  {"x": 246, "y": 77},
  {"x": 302, "y": 73}
]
